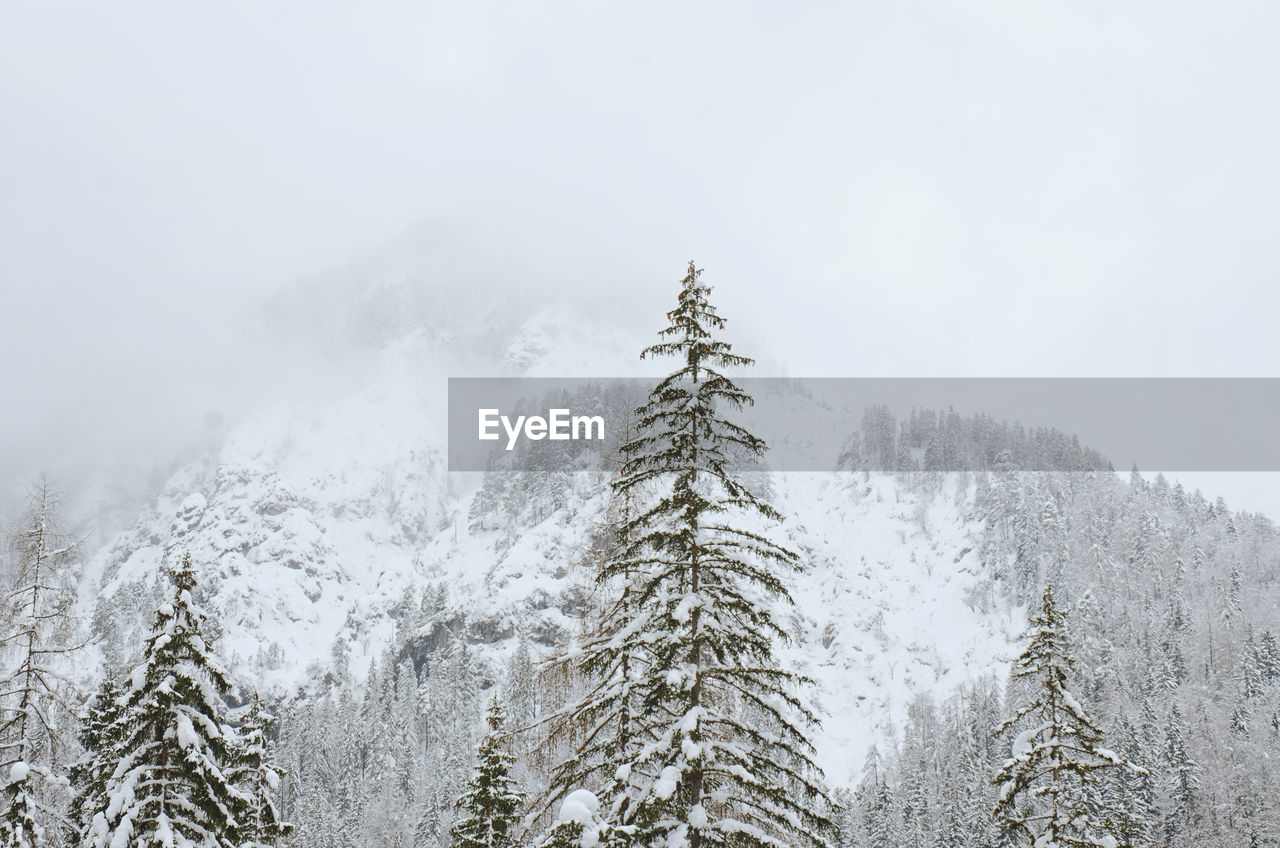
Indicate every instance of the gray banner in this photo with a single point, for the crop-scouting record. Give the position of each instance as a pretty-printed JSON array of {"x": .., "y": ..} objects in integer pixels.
[{"x": 826, "y": 424}]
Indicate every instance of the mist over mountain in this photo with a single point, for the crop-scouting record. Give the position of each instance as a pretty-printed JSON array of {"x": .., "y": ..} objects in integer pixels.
[
  {"x": 246, "y": 604},
  {"x": 334, "y": 546}
]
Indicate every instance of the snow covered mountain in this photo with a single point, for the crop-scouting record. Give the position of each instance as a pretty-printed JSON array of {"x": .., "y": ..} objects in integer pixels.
[{"x": 312, "y": 523}]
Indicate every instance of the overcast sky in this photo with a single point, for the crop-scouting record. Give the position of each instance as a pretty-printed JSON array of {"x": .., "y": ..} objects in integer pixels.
[{"x": 990, "y": 188}]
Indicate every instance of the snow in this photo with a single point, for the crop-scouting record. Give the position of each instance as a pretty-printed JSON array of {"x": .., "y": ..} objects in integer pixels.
[
  {"x": 685, "y": 608},
  {"x": 1023, "y": 742},
  {"x": 187, "y": 737},
  {"x": 581, "y": 806},
  {"x": 1073, "y": 705},
  {"x": 18, "y": 772},
  {"x": 1109, "y": 755},
  {"x": 880, "y": 616},
  {"x": 312, "y": 521},
  {"x": 665, "y": 786},
  {"x": 886, "y": 588}
]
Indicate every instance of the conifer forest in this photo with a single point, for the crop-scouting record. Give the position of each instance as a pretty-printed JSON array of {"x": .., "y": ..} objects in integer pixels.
[
  {"x": 1138, "y": 703},
  {"x": 709, "y": 424}
]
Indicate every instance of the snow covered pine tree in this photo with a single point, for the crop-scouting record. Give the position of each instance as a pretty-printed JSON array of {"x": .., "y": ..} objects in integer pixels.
[
  {"x": 259, "y": 778},
  {"x": 103, "y": 734},
  {"x": 723, "y": 757},
  {"x": 171, "y": 788},
  {"x": 490, "y": 808},
  {"x": 1050, "y": 787}
]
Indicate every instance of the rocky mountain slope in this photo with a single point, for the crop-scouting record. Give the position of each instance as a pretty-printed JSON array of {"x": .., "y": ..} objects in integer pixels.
[{"x": 312, "y": 523}]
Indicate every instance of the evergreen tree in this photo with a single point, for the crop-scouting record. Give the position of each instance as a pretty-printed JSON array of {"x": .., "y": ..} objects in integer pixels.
[
  {"x": 1184, "y": 783},
  {"x": 103, "y": 733},
  {"x": 1128, "y": 797},
  {"x": 880, "y": 816},
  {"x": 520, "y": 688},
  {"x": 259, "y": 779},
  {"x": 1267, "y": 656},
  {"x": 725, "y": 759},
  {"x": 491, "y": 805},
  {"x": 1050, "y": 788},
  {"x": 172, "y": 787}
]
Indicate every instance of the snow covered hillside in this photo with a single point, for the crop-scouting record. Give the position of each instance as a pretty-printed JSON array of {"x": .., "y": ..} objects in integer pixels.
[{"x": 312, "y": 524}]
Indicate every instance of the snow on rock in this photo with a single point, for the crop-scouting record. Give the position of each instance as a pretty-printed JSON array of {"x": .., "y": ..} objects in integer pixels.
[
  {"x": 884, "y": 611},
  {"x": 304, "y": 522},
  {"x": 299, "y": 553},
  {"x": 311, "y": 525}
]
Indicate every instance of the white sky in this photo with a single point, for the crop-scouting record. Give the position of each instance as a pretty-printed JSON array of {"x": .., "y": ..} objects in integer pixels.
[{"x": 983, "y": 188}]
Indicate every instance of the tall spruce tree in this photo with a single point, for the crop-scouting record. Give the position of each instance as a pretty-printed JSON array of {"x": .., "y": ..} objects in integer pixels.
[
  {"x": 1182, "y": 779},
  {"x": 724, "y": 758},
  {"x": 172, "y": 785},
  {"x": 490, "y": 808},
  {"x": 1051, "y": 787}
]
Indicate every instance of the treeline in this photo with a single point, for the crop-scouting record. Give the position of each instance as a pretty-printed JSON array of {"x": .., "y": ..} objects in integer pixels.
[
  {"x": 934, "y": 440},
  {"x": 1172, "y": 628},
  {"x": 381, "y": 761},
  {"x": 156, "y": 757},
  {"x": 1143, "y": 709}
]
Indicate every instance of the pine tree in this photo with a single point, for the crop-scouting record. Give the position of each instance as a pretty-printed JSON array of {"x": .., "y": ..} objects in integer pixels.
[
  {"x": 35, "y": 699},
  {"x": 491, "y": 805},
  {"x": 881, "y": 820},
  {"x": 1267, "y": 656},
  {"x": 1050, "y": 788},
  {"x": 1128, "y": 798},
  {"x": 520, "y": 687},
  {"x": 725, "y": 759},
  {"x": 259, "y": 779},
  {"x": 1183, "y": 779},
  {"x": 103, "y": 733},
  {"x": 171, "y": 786}
]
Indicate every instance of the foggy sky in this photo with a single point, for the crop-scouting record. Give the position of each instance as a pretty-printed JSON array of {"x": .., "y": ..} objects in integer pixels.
[{"x": 911, "y": 189}]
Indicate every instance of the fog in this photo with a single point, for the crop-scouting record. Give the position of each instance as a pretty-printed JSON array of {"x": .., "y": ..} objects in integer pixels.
[{"x": 908, "y": 189}]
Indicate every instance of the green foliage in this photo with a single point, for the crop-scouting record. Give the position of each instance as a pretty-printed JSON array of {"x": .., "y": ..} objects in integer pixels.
[
  {"x": 717, "y": 750},
  {"x": 172, "y": 784},
  {"x": 490, "y": 807},
  {"x": 104, "y": 732},
  {"x": 257, "y": 776},
  {"x": 1051, "y": 788}
]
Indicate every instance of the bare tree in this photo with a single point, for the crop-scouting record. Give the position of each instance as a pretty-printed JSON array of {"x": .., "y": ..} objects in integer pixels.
[{"x": 37, "y": 715}]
